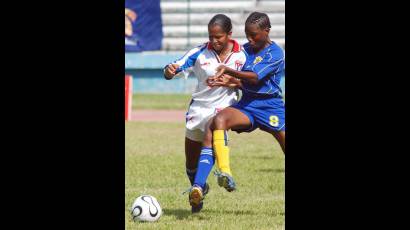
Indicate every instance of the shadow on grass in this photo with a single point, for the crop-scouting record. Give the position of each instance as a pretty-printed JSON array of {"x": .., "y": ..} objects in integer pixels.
[
  {"x": 272, "y": 170},
  {"x": 181, "y": 214},
  {"x": 260, "y": 157},
  {"x": 178, "y": 213},
  {"x": 233, "y": 212},
  {"x": 263, "y": 157}
]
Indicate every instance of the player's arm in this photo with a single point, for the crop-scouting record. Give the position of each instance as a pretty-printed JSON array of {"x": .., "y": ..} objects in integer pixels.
[
  {"x": 250, "y": 77},
  {"x": 182, "y": 67}
]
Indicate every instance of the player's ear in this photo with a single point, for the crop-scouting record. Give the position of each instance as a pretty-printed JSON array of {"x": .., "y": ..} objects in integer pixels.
[{"x": 229, "y": 34}]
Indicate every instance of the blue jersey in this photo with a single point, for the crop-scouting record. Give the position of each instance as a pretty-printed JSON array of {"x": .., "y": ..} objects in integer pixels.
[{"x": 269, "y": 65}]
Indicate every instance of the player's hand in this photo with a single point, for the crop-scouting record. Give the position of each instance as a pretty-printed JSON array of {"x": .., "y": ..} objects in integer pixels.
[
  {"x": 170, "y": 70},
  {"x": 220, "y": 70},
  {"x": 217, "y": 81},
  {"x": 210, "y": 81},
  {"x": 225, "y": 81}
]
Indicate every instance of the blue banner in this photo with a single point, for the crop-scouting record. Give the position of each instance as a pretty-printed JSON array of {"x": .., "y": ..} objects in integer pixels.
[{"x": 143, "y": 25}]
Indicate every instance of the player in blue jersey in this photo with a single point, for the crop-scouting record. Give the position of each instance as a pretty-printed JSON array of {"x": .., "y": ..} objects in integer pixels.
[{"x": 261, "y": 105}]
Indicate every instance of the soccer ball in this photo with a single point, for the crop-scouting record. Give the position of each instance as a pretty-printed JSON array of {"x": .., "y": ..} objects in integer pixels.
[{"x": 146, "y": 208}]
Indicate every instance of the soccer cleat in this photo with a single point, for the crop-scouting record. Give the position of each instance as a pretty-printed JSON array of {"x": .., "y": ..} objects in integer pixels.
[
  {"x": 225, "y": 180},
  {"x": 196, "y": 209},
  {"x": 206, "y": 189},
  {"x": 195, "y": 198}
]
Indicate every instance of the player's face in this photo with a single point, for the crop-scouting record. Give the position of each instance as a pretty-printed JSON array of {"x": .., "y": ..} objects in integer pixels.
[
  {"x": 218, "y": 37},
  {"x": 257, "y": 37}
]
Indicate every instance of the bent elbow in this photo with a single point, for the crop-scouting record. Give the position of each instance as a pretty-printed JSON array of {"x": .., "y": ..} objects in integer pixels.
[{"x": 254, "y": 81}]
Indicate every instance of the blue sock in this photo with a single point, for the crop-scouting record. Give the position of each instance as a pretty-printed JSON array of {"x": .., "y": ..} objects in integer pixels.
[
  {"x": 205, "y": 163},
  {"x": 191, "y": 175}
]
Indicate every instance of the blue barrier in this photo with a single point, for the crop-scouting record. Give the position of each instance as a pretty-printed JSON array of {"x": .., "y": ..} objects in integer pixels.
[
  {"x": 147, "y": 72},
  {"x": 149, "y": 61}
]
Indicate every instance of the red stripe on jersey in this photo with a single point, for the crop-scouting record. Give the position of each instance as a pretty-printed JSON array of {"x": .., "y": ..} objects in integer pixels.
[
  {"x": 236, "y": 47},
  {"x": 216, "y": 56},
  {"x": 227, "y": 59},
  {"x": 209, "y": 46}
]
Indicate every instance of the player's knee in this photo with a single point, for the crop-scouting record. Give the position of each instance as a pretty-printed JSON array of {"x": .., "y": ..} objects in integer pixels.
[
  {"x": 208, "y": 139},
  {"x": 220, "y": 121}
]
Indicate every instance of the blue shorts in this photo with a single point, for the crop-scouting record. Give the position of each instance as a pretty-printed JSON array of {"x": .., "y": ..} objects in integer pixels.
[{"x": 266, "y": 113}]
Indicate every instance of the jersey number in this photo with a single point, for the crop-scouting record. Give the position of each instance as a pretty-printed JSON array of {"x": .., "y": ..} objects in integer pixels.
[{"x": 274, "y": 121}]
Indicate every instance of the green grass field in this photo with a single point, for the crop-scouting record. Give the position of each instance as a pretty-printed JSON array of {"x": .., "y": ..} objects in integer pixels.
[
  {"x": 160, "y": 101},
  {"x": 155, "y": 165}
]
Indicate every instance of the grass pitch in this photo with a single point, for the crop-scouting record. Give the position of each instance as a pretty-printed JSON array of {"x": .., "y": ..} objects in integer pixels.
[
  {"x": 155, "y": 165},
  {"x": 160, "y": 101}
]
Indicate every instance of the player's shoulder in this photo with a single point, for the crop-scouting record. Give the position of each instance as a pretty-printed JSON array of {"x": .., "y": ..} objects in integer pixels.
[
  {"x": 246, "y": 48},
  {"x": 195, "y": 51},
  {"x": 275, "y": 51},
  {"x": 238, "y": 50},
  {"x": 200, "y": 47}
]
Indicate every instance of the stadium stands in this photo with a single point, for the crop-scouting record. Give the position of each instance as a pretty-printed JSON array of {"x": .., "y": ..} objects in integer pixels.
[
  {"x": 179, "y": 22},
  {"x": 185, "y": 28}
]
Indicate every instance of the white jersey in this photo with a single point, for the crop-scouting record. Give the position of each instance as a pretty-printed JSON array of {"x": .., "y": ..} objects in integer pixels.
[
  {"x": 203, "y": 61},
  {"x": 206, "y": 101}
]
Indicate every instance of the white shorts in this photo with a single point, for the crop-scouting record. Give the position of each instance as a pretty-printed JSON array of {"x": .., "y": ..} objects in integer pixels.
[
  {"x": 198, "y": 116},
  {"x": 195, "y": 135}
]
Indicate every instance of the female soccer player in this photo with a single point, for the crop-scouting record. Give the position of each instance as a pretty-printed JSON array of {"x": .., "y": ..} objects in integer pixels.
[
  {"x": 261, "y": 105},
  {"x": 206, "y": 101}
]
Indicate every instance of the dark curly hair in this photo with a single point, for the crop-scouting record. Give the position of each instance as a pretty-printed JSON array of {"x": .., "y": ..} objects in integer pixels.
[{"x": 223, "y": 21}]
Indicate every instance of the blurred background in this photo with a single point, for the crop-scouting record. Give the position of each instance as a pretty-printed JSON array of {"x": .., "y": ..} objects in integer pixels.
[{"x": 158, "y": 32}]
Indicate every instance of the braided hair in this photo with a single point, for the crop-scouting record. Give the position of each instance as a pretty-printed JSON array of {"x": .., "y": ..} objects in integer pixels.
[{"x": 260, "y": 19}]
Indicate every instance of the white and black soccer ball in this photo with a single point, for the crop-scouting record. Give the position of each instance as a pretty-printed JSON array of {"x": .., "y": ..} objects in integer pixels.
[{"x": 146, "y": 208}]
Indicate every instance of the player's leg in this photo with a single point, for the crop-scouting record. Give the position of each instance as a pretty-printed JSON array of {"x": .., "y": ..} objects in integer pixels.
[
  {"x": 208, "y": 137},
  {"x": 193, "y": 142},
  {"x": 206, "y": 158},
  {"x": 280, "y": 137},
  {"x": 192, "y": 151},
  {"x": 205, "y": 163},
  {"x": 226, "y": 119},
  {"x": 271, "y": 118},
  {"x": 230, "y": 117}
]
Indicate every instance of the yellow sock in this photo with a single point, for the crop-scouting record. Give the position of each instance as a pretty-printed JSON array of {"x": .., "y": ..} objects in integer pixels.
[{"x": 221, "y": 151}]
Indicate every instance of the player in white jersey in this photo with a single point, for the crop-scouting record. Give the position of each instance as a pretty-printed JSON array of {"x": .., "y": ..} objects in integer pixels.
[{"x": 202, "y": 61}]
